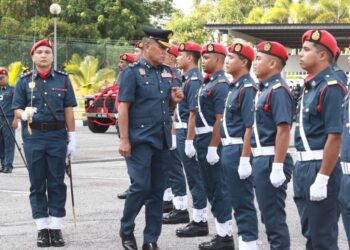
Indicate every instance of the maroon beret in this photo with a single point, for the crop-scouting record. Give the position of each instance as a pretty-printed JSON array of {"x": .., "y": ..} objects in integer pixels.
[
  {"x": 45, "y": 42},
  {"x": 243, "y": 50},
  {"x": 190, "y": 47},
  {"x": 273, "y": 49},
  {"x": 4, "y": 72},
  {"x": 214, "y": 48},
  {"x": 322, "y": 37},
  {"x": 127, "y": 57},
  {"x": 174, "y": 50}
]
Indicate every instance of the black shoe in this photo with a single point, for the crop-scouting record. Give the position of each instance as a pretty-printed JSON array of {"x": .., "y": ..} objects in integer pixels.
[
  {"x": 193, "y": 229},
  {"x": 128, "y": 241},
  {"x": 7, "y": 170},
  {"x": 176, "y": 217},
  {"x": 56, "y": 238},
  {"x": 218, "y": 243},
  {"x": 43, "y": 238},
  {"x": 167, "y": 206},
  {"x": 150, "y": 246},
  {"x": 1, "y": 169},
  {"x": 123, "y": 195}
]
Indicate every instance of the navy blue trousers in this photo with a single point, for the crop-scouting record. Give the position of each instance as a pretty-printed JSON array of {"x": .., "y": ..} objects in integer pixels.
[
  {"x": 46, "y": 167},
  {"x": 7, "y": 143},
  {"x": 344, "y": 198},
  {"x": 271, "y": 200},
  {"x": 214, "y": 180},
  {"x": 319, "y": 219},
  {"x": 193, "y": 174},
  {"x": 146, "y": 167},
  {"x": 241, "y": 193}
]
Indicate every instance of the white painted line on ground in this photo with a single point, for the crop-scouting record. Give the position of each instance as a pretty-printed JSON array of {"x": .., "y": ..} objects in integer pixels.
[
  {"x": 84, "y": 177},
  {"x": 14, "y": 192}
]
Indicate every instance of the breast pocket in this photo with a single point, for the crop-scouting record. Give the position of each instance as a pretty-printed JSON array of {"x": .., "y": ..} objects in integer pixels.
[
  {"x": 310, "y": 110},
  {"x": 148, "y": 87},
  {"x": 34, "y": 98},
  {"x": 56, "y": 99}
]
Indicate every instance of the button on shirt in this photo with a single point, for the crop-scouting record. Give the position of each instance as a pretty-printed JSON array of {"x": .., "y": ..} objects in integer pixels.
[
  {"x": 212, "y": 98},
  {"x": 56, "y": 86},
  {"x": 6, "y": 97},
  {"x": 192, "y": 83},
  {"x": 240, "y": 107},
  {"x": 278, "y": 111},
  {"x": 147, "y": 88},
  {"x": 321, "y": 116}
]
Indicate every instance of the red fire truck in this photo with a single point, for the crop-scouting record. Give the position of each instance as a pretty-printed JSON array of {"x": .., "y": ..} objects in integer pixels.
[{"x": 100, "y": 109}]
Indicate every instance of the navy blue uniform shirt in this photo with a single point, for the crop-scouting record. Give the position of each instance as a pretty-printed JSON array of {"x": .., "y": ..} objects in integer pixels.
[
  {"x": 340, "y": 74},
  {"x": 191, "y": 85},
  {"x": 212, "y": 98},
  {"x": 274, "y": 107},
  {"x": 240, "y": 107},
  {"x": 6, "y": 97},
  {"x": 321, "y": 115},
  {"x": 147, "y": 88},
  {"x": 345, "y": 147}
]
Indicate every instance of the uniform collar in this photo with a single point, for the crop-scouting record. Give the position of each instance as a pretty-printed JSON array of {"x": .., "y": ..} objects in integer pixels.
[
  {"x": 273, "y": 80},
  {"x": 36, "y": 73},
  {"x": 240, "y": 81},
  {"x": 191, "y": 72},
  {"x": 216, "y": 74},
  {"x": 145, "y": 63},
  {"x": 317, "y": 79},
  {"x": 4, "y": 87}
]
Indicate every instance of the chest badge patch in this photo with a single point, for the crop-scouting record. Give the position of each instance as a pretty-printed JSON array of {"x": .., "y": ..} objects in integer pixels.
[{"x": 31, "y": 85}]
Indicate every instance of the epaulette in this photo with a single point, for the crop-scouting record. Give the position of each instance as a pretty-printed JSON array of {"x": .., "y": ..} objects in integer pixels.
[
  {"x": 332, "y": 82},
  {"x": 248, "y": 85},
  {"x": 222, "y": 80},
  {"x": 131, "y": 65},
  {"x": 194, "y": 78},
  {"x": 277, "y": 86},
  {"x": 26, "y": 74},
  {"x": 61, "y": 72}
]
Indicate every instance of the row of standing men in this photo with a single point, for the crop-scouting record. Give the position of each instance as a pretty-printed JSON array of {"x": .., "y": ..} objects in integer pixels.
[{"x": 232, "y": 138}]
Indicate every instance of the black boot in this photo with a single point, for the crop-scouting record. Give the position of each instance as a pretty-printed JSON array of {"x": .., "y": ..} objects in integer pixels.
[
  {"x": 176, "y": 217},
  {"x": 123, "y": 195},
  {"x": 56, "y": 238},
  {"x": 150, "y": 246},
  {"x": 193, "y": 229},
  {"x": 167, "y": 206},
  {"x": 218, "y": 243},
  {"x": 7, "y": 170},
  {"x": 43, "y": 238},
  {"x": 128, "y": 241}
]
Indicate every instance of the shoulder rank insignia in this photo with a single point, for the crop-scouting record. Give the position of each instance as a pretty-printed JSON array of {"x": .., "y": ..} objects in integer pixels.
[
  {"x": 193, "y": 78},
  {"x": 131, "y": 65},
  {"x": 26, "y": 74},
  {"x": 277, "y": 86},
  {"x": 62, "y": 73},
  {"x": 332, "y": 82},
  {"x": 248, "y": 85}
]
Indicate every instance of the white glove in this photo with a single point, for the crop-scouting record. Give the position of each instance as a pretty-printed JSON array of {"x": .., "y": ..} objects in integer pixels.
[
  {"x": 318, "y": 190},
  {"x": 173, "y": 142},
  {"x": 190, "y": 151},
  {"x": 244, "y": 168},
  {"x": 277, "y": 176},
  {"x": 212, "y": 155},
  {"x": 28, "y": 113},
  {"x": 72, "y": 144}
]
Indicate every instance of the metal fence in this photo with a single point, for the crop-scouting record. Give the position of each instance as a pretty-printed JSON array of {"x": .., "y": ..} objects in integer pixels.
[{"x": 17, "y": 48}]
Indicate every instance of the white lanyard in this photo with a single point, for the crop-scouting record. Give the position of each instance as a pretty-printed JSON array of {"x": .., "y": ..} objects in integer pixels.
[
  {"x": 178, "y": 113},
  {"x": 204, "y": 121},
  {"x": 256, "y": 134},
  {"x": 348, "y": 112},
  {"x": 224, "y": 116},
  {"x": 301, "y": 125}
]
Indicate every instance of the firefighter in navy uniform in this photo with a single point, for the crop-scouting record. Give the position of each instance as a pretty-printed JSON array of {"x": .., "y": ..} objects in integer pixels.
[
  {"x": 236, "y": 128},
  {"x": 44, "y": 101},
  {"x": 317, "y": 173},
  {"x": 344, "y": 196},
  {"x": 175, "y": 195},
  {"x": 272, "y": 165},
  {"x": 338, "y": 71},
  {"x": 210, "y": 107},
  {"x": 145, "y": 98},
  {"x": 189, "y": 55},
  {"x": 7, "y": 143},
  {"x": 138, "y": 48}
]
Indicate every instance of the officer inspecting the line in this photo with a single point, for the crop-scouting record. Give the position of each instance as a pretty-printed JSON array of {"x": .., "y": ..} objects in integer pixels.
[
  {"x": 189, "y": 55},
  {"x": 145, "y": 98},
  {"x": 176, "y": 177},
  {"x": 44, "y": 101},
  {"x": 210, "y": 107},
  {"x": 272, "y": 165},
  {"x": 7, "y": 143},
  {"x": 317, "y": 173},
  {"x": 236, "y": 129},
  {"x": 344, "y": 197}
]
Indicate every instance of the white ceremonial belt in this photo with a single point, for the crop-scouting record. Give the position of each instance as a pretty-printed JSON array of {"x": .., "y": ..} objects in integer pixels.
[
  {"x": 345, "y": 166},
  {"x": 311, "y": 155},
  {"x": 204, "y": 130},
  {"x": 231, "y": 141},
  {"x": 268, "y": 150},
  {"x": 180, "y": 125}
]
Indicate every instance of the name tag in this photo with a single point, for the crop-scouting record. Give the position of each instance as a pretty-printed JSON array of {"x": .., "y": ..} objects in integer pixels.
[
  {"x": 166, "y": 74},
  {"x": 58, "y": 89}
]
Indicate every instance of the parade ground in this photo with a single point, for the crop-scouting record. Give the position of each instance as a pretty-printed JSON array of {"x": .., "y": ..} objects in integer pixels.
[{"x": 99, "y": 174}]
